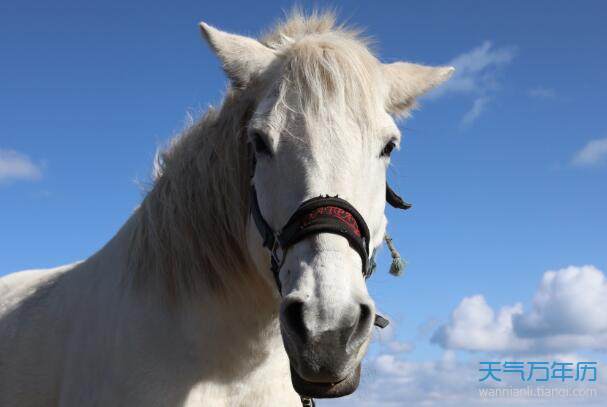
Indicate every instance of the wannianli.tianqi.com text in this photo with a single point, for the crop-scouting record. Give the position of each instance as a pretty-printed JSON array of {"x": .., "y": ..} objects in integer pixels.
[{"x": 537, "y": 392}]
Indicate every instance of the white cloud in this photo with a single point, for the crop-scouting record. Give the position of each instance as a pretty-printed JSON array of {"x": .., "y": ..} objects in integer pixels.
[
  {"x": 385, "y": 339},
  {"x": 16, "y": 166},
  {"x": 401, "y": 346},
  {"x": 476, "y": 70},
  {"x": 542, "y": 93},
  {"x": 425, "y": 329},
  {"x": 569, "y": 301},
  {"x": 568, "y": 314},
  {"x": 476, "y": 74},
  {"x": 475, "y": 326},
  {"x": 592, "y": 154},
  {"x": 475, "y": 111}
]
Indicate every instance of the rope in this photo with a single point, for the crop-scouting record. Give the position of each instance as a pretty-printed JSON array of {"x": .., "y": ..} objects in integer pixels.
[{"x": 398, "y": 264}]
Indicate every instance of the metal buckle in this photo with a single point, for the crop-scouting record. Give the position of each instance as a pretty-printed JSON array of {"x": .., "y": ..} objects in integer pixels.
[
  {"x": 307, "y": 401},
  {"x": 274, "y": 252}
]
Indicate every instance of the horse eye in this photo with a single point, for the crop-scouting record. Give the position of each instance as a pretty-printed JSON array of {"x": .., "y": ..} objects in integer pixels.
[
  {"x": 388, "y": 149},
  {"x": 259, "y": 143}
]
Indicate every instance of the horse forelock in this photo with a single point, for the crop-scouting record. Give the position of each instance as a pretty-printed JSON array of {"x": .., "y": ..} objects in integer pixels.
[{"x": 330, "y": 68}]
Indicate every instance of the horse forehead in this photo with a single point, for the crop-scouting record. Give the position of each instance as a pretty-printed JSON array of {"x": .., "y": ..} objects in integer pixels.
[
  {"x": 284, "y": 105},
  {"x": 332, "y": 123}
]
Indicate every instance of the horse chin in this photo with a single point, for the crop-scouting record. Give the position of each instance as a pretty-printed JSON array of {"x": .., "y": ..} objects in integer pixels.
[{"x": 344, "y": 387}]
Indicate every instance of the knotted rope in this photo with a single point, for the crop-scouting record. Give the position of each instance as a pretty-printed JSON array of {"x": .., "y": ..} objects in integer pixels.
[{"x": 398, "y": 263}]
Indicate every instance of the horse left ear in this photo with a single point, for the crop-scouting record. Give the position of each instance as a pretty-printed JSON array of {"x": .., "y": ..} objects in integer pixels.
[
  {"x": 242, "y": 58},
  {"x": 407, "y": 81}
]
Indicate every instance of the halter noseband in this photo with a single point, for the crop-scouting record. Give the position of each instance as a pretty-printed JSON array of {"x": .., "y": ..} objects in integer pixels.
[{"x": 323, "y": 214}]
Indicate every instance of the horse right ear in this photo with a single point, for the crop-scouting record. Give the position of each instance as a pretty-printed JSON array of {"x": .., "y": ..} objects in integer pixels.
[
  {"x": 407, "y": 81},
  {"x": 242, "y": 58}
]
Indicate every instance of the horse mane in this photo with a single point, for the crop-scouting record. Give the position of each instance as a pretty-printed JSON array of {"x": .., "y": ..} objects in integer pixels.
[
  {"x": 190, "y": 233},
  {"x": 190, "y": 230}
]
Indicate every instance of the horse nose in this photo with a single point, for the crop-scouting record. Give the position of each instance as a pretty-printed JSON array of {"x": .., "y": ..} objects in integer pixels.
[
  {"x": 293, "y": 318},
  {"x": 309, "y": 322},
  {"x": 366, "y": 318}
]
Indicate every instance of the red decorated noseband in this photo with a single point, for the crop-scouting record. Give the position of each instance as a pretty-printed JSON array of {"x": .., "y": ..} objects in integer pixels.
[{"x": 334, "y": 212}]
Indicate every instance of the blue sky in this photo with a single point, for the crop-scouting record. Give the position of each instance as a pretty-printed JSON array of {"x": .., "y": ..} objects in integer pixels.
[{"x": 506, "y": 166}]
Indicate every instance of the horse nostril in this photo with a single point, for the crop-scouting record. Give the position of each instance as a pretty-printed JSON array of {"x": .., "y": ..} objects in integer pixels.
[
  {"x": 365, "y": 314},
  {"x": 361, "y": 329},
  {"x": 293, "y": 312}
]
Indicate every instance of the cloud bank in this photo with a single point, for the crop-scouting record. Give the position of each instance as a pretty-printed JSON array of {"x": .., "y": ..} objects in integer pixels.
[{"x": 568, "y": 313}]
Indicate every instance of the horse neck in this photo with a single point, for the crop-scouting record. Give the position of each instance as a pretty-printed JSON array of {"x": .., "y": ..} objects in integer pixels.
[{"x": 234, "y": 341}]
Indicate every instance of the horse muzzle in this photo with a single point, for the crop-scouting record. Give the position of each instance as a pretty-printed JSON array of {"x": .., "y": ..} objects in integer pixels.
[
  {"x": 340, "y": 388},
  {"x": 325, "y": 353}
]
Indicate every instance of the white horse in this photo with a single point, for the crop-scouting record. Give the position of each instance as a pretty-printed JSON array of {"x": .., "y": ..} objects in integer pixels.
[{"x": 180, "y": 308}]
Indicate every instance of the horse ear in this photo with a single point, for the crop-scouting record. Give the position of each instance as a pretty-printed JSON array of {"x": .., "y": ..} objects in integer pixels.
[
  {"x": 407, "y": 81},
  {"x": 242, "y": 57}
]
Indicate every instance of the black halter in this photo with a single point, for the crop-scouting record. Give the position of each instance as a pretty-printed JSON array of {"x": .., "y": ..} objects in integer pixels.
[{"x": 323, "y": 214}]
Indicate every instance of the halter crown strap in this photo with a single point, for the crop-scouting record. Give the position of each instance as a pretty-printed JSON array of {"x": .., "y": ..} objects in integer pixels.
[
  {"x": 265, "y": 230},
  {"x": 270, "y": 238}
]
